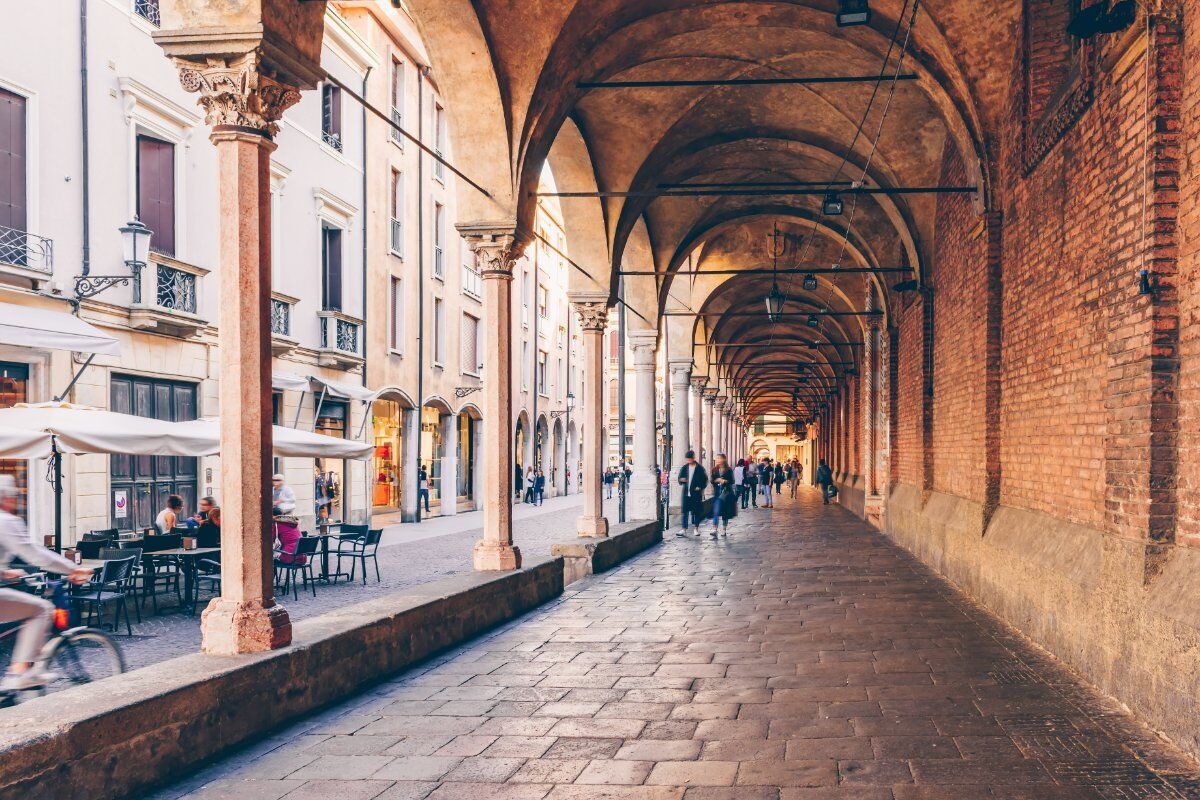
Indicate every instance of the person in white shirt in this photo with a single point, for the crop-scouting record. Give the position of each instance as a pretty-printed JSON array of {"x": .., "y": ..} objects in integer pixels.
[
  {"x": 283, "y": 499},
  {"x": 739, "y": 480},
  {"x": 15, "y": 606}
]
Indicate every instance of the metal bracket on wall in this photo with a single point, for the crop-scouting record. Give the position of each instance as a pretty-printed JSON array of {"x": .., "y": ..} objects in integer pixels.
[{"x": 464, "y": 391}]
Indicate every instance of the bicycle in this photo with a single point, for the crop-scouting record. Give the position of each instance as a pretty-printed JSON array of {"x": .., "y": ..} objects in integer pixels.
[{"x": 73, "y": 654}]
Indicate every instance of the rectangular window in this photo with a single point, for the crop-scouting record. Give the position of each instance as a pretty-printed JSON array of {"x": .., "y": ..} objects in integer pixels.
[
  {"x": 471, "y": 362},
  {"x": 525, "y": 366},
  {"x": 439, "y": 241},
  {"x": 543, "y": 301},
  {"x": 396, "y": 302},
  {"x": 439, "y": 332},
  {"x": 541, "y": 372},
  {"x": 397, "y": 99},
  {"x": 156, "y": 192},
  {"x": 472, "y": 283},
  {"x": 562, "y": 380},
  {"x": 13, "y": 166},
  {"x": 439, "y": 134},
  {"x": 331, "y": 116},
  {"x": 331, "y": 269},
  {"x": 525, "y": 284},
  {"x": 396, "y": 228}
]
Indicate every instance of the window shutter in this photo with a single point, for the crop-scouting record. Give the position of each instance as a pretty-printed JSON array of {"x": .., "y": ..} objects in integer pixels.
[
  {"x": 156, "y": 192},
  {"x": 13, "y": 208},
  {"x": 332, "y": 272},
  {"x": 470, "y": 344}
]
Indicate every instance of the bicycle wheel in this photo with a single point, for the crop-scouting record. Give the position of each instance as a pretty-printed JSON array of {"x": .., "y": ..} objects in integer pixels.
[{"x": 82, "y": 655}]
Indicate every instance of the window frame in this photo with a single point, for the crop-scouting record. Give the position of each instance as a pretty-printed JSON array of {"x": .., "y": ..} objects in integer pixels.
[
  {"x": 396, "y": 315},
  {"x": 476, "y": 369},
  {"x": 439, "y": 333}
]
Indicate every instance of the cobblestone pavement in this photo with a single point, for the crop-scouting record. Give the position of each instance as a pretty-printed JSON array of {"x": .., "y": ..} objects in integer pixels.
[
  {"x": 802, "y": 658},
  {"x": 408, "y": 556}
]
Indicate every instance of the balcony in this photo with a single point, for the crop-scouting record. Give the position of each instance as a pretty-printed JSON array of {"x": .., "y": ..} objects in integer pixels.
[
  {"x": 396, "y": 237},
  {"x": 282, "y": 308},
  {"x": 332, "y": 139},
  {"x": 25, "y": 254},
  {"x": 176, "y": 289},
  {"x": 148, "y": 10},
  {"x": 340, "y": 340},
  {"x": 472, "y": 283}
]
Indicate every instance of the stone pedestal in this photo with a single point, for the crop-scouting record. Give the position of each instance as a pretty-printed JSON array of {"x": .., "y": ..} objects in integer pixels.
[
  {"x": 496, "y": 249},
  {"x": 643, "y": 484},
  {"x": 593, "y": 317}
]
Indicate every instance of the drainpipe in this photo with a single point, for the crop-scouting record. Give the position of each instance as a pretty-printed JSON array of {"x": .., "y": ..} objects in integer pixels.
[
  {"x": 421, "y": 73},
  {"x": 533, "y": 367},
  {"x": 567, "y": 471},
  {"x": 368, "y": 468},
  {"x": 83, "y": 107}
]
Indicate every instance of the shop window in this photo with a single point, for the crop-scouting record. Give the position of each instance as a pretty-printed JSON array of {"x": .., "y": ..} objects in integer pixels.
[
  {"x": 329, "y": 473},
  {"x": 386, "y": 421},
  {"x": 14, "y": 388},
  {"x": 466, "y": 456}
]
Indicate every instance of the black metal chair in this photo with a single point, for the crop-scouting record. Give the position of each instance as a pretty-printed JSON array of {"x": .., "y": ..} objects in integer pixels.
[
  {"x": 109, "y": 588},
  {"x": 134, "y": 584},
  {"x": 161, "y": 571},
  {"x": 208, "y": 571},
  {"x": 90, "y": 548},
  {"x": 358, "y": 550},
  {"x": 300, "y": 561},
  {"x": 107, "y": 533}
]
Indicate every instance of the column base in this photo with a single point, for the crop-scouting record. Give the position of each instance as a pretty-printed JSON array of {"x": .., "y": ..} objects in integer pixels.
[
  {"x": 592, "y": 527},
  {"x": 228, "y": 627},
  {"x": 643, "y": 499},
  {"x": 492, "y": 557}
]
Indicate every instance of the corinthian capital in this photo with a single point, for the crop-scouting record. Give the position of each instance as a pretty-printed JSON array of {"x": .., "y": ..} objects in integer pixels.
[
  {"x": 495, "y": 245},
  {"x": 592, "y": 308},
  {"x": 238, "y": 91}
]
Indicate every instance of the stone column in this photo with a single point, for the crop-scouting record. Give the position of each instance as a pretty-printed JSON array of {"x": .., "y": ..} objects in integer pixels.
[
  {"x": 681, "y": 374},
  {"x": 697, "y": 441},
  {"x": 243, "y": 104},
  {"x": 410, "y": 421},
  {"x": 710, "y": 426},
  {"x": 643, "y": 485},
  {"x": 592, "y": 308},
  {"x": 449, "y": 464},
  {"x": 496, "y": 248}
]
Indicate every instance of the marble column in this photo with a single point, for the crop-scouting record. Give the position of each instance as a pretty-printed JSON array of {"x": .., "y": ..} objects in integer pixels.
[
  {"x": 496, "y": 249},
  {"x": 710, "y": 426},
  {"x": 643, "y": 484},
  {"x": 449, "y": 424},
  {"x": 697, "y": 439},
  {"x": 592, "y": 308},
  {"x": 243, "y": 102},
  {"x": 681, "y": 374},
  {"x": 410, "y": 422}
]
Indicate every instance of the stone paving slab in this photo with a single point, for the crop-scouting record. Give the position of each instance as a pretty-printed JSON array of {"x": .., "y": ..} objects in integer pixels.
[{"x": 804, "y": 657}]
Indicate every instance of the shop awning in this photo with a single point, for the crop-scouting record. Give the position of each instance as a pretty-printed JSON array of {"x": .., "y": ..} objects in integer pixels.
[
  {"x": 289, "y": 442},
  {"x": 286, "y": 381},
  {"x": 344, "y": 391},
  {"x": 82, "y": 429},
  {"x": 25, "y": 326}
]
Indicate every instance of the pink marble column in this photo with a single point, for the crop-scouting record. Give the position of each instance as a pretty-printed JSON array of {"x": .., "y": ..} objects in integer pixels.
[
  {"x": 496, "y": 249},
  {"x": 593, "y": 318}
]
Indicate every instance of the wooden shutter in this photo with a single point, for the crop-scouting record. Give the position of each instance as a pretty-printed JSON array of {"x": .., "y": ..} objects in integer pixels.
[
  {"x": 156, "y": 192},
  {"x": 470, "y": 344},
  {"x": 13, "y": 209}
]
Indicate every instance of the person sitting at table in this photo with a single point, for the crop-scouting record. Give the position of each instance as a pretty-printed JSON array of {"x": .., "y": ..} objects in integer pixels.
[
  {"x": 209, "y": 534},
  {"x": 283, "y": 499},
  {"x": 206, "y": 505},
  {"x": 287, "y": 535},
  {"x": 170, "y": 516}
]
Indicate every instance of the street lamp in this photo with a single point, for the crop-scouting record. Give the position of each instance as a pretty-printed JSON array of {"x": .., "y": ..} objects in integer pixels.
[
  {"x": 570, "y": 401},
  {"x": 775, "y": 303},
  {"x": 135, "y": 249}
]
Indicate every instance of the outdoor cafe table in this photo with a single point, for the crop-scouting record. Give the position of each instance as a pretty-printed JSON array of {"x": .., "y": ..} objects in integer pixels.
[
  {"x": 187, "y": 559},
  {"x": 325, "y": 534}
]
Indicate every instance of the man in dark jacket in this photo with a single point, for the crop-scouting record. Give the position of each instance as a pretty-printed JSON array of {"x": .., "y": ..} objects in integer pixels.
[
  {"x": 824, "y": 480},
  {"x": 693, "y": 480}
]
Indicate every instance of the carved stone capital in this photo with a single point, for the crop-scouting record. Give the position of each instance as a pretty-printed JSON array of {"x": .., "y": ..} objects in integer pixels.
[
  {"x": 710, "y": 396},
  {"x": 643, "y": 344},
  {"x": 496, "y": 247},
  {"x": 592, "y": 308},
  {"x": 681, "y": 373},
  {"x": 238, "y": 92},
  {"x": 698, "y": 383}
]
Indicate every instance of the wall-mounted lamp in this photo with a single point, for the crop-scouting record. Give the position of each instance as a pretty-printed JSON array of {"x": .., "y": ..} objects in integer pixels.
[
  {"x": 832, "y": 205},
  {"x": 853, "y": 12},
  {"x": 1144, "y": 285}
]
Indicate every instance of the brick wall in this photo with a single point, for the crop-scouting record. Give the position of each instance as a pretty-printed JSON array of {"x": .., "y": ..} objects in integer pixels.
[
  {"x": 1188, "y": 476},
  {"x": 908, "y": 446}
]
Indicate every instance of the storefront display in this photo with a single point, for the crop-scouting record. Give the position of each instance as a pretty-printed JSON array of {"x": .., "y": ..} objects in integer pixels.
[{"x": 385, "y": 490}]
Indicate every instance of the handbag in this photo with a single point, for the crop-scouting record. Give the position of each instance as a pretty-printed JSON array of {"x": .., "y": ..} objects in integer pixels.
[{"x": 833, "y": 490}]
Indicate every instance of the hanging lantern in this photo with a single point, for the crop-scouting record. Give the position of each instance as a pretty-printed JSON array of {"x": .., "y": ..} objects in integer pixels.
[
  {"x": 833, "y": 206},
  {"x": 810, "y": 283},
  {"x": 775, "y": 303},
  {"x": 853, "y": 12},
  {"x": 814, "y": 321}
]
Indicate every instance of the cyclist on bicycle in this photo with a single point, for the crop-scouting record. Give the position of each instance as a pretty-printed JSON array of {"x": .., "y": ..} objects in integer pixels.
[{"x": 36, "y": 613}]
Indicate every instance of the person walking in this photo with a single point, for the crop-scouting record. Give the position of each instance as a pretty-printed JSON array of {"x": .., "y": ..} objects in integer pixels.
[
  {"x": 530, "y": 479},
  {"x": 780, "y": 477},
  {"x": 793, "y": 478},
  {"x": 824, "y": 478},
  {"x": 539, "y": 487},
  {"x": 694, "y": 481},
  {"x": 724, "y": 504},
  {"x": 739, "y": 482},
  {"x": 751, "y": 482},
  {"x": 610, "y": 478},
  {"x": 423, "y": 488},
  {"x": 518, "y": 481},
  {"x": 767, "y": 476}
]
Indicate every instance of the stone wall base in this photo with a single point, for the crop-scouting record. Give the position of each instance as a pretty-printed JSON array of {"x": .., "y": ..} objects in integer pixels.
[
  {"x": 583, "y": 557},
  {"x": 1077, "y": 592}
]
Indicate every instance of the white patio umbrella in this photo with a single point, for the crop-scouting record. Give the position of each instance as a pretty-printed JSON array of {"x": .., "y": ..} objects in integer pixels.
[{"x": 287, "y": 442}]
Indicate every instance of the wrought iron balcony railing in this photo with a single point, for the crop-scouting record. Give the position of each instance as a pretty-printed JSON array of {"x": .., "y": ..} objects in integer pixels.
[
  {"x": 147, "y": 10},
  {"x": 26, "y": 250},
  {"x": 398, "y": 119},
  {"x": 176, "y": 289},
  {"x": 334, "y": 140},
  {"x": 396, "y": 238},
  {"x": 281, "y": 317},
  {"x": 338, "y": 333}
]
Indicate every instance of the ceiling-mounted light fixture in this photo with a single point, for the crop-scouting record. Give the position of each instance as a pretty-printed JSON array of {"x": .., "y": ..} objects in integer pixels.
[
  {"x": 775, "y": 298},
  {"x": 814, "y": 321},
  {"x": 832, "y": 205},
  {"x": 853, "y": 12},
  {"x": 810, "y": 283},
  {"x": 1102, "y": 17}
]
